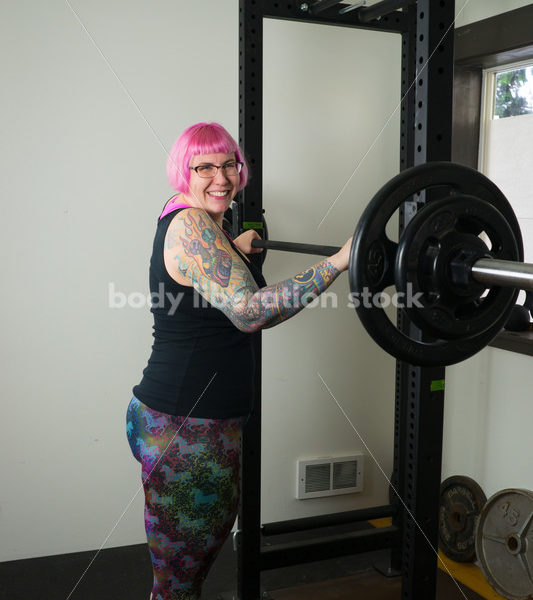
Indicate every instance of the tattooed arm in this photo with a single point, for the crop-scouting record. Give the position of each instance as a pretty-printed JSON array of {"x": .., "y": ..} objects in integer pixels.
[
  {"x": 196, "y": 248},
  {"x": 277, "y": 303}
]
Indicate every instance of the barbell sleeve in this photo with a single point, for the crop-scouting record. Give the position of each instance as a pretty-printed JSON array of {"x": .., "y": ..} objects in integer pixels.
[
  {"x": 503, "y": 273},
  {"x": 489, "y": 271},
  {"x": 294, "y": 247}
]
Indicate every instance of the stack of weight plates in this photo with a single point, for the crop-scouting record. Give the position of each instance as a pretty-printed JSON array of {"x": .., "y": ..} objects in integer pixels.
[{"x": 498, "y": 533}]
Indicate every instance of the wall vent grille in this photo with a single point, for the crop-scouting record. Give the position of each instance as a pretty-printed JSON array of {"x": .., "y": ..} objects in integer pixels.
[{"x": 329, "y": 476}]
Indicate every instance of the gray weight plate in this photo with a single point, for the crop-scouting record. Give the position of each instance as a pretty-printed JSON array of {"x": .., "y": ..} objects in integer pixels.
[{"x": 504, "y": 543}]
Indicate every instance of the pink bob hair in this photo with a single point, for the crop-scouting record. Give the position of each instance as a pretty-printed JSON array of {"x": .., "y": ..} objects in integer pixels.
[{"x": 201, "y": 138}]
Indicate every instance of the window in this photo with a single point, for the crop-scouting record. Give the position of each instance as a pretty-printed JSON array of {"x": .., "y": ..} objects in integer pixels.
[
  {"x": 511, "y": 90},
  {"x": 506, "y": 139},
  {"x": 492, "y": 49}
]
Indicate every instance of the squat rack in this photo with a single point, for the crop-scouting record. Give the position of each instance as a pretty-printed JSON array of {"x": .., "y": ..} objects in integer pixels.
[{"x": 426, "y": 30}]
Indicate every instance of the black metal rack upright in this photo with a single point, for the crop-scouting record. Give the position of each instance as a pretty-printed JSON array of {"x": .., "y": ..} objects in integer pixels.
[{"x": 426, "y": 29}]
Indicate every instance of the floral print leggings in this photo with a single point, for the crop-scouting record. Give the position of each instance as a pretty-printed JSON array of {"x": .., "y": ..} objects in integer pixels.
[{"x": 191, "y": 479}]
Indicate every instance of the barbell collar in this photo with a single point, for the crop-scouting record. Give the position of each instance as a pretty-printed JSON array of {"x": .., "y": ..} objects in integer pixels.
[
  {"x": 503, "y": 273},
  {"x": 295, "y": 247}
]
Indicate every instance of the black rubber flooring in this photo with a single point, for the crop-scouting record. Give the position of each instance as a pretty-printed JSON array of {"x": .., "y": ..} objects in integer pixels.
[{"x": 125, "y": 574}]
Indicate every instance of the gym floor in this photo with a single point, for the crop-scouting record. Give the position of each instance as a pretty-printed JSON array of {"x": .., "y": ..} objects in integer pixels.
[{"x": 125, "y": 573}]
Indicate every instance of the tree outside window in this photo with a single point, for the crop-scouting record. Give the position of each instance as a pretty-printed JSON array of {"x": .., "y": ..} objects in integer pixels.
[{"x": 514, "y": 93}]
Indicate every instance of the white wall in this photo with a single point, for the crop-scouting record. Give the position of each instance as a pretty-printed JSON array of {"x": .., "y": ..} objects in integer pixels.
[
  {"x": 83, "y": 182},
  {"x": 508, "y": 148},
  {"x": 323, "y": 112},
  {"x": 488, "y": 412}
]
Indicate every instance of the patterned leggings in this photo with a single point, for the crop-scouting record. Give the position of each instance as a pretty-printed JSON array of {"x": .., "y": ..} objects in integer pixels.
[{"x": 190, "y": 475}]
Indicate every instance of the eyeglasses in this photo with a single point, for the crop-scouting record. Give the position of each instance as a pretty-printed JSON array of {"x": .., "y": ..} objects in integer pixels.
[{"x": 209, "y": 171}]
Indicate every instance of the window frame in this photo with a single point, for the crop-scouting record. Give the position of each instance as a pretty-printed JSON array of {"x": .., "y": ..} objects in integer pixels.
[
  {"x": 488, "y": 90},
  {"x": 504, "y": 39}
]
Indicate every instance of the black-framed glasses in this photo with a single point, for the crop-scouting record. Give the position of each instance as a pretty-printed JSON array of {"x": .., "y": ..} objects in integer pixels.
[{"x": 209, "y": 171}]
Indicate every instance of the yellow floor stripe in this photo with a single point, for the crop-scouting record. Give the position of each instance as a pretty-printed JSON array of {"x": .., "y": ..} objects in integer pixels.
[
  {"x": 385, "y": 522},
  {"x": 467, "y": 573},
  {"x": 470, "y": 575}
]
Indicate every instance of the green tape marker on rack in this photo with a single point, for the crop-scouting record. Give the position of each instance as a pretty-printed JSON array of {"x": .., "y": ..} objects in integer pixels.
[
  {"x": 437, "y": 385},
  {"x": 252, "y": 225}
]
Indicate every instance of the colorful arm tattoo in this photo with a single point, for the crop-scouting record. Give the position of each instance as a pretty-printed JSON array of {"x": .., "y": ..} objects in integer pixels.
[
  {"x": 206, "y": 257},
  {"x": 202, "y": 244},
  {"x": 276, "y": 303}
]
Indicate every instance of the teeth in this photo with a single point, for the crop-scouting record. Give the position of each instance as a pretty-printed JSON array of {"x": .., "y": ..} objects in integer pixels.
[{"x": 218, "y": 193}]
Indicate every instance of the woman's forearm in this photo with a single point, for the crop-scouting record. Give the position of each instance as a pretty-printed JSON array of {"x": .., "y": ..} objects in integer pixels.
[{"x": 276, "y": 303}]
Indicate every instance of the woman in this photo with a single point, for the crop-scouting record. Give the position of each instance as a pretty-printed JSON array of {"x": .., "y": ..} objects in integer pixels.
[{"x": 185, "y": 420}]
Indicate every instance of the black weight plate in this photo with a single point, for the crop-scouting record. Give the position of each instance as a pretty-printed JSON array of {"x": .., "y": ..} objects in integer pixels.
[
  {"x": 373, "y": 257},
  {"x": 441, "y": 232},
  {"x": 461, "y": 503}
]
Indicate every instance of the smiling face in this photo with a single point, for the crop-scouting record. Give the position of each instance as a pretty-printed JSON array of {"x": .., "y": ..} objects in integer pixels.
[{"x": 214, "y": 194}]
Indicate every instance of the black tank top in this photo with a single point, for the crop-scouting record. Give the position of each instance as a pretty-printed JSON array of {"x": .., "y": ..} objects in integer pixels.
[{"x": 198, "y": 355}]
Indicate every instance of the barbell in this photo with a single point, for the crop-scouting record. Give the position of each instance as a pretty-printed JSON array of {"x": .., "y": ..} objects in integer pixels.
[{"x": 457, "y": 264}]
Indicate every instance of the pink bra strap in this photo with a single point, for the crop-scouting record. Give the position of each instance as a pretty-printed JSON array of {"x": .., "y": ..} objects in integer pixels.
[{"x": 173, "y": 206}]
